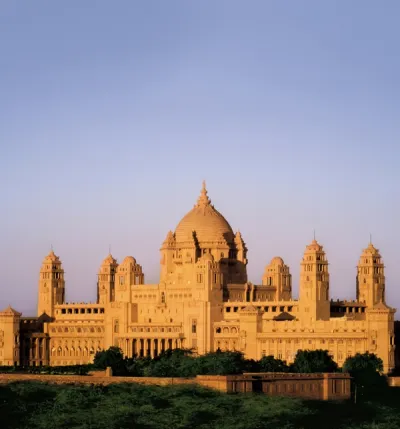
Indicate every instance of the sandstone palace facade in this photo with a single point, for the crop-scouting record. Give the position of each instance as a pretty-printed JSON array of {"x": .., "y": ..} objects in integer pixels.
[{"x": 203, "y": 301}]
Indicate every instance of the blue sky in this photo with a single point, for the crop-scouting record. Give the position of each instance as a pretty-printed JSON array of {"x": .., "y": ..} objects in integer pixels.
[{"x": 112, "y": 114}]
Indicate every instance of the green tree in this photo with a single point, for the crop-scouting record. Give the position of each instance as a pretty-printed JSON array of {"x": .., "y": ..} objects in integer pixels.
[
  {"x": 221, "y": 363},
  {"x": 366, "y": 371},
  {"x": 270, "y": 364},
  {"x": 112, "y": 357},
  {"x": 307, "y": 361},
  {"x": 172, "y": 363},
  {"x": 363, "y": 362}
]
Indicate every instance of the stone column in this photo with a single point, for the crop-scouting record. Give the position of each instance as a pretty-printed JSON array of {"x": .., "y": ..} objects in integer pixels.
[{"x": 152, "y": 348}]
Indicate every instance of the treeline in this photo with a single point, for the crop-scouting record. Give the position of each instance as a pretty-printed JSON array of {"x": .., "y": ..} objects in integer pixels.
[
  {"x": 50, "y": 370},
  {"x": 183, "y": 363}
]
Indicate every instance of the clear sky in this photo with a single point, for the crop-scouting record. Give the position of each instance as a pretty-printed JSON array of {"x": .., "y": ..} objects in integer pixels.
[{"x": 112, "y": 114}]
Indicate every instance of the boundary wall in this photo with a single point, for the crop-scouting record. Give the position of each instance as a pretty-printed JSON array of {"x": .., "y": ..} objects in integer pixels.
[{"x": 324, "y": 386}]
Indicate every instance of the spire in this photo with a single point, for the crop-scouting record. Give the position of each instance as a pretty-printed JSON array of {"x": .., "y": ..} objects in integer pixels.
[{"x": 203, "y": 199}]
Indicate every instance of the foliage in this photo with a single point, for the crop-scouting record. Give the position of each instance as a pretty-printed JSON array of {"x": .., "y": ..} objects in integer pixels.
[
  {"x": 363, "y": 362},
  {"x": 221, "y": 363},
  {"x": 42, "y": 406},
  {"x": 172, "y": 363},
  {"x": 112, "y": 357},
  {"x": 53, "y": 370},
  {"x": 270, "y": 364},
  {"x": 307, "y": 361},
  {"x": 365, "y": 369}
]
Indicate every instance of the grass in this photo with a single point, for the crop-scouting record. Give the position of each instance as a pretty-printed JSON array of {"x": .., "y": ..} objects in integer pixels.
[{"x": 45, "y": 406}]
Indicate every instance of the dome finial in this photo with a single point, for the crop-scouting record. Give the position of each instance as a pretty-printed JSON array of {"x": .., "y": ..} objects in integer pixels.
[{"x": 203, "y": 199}]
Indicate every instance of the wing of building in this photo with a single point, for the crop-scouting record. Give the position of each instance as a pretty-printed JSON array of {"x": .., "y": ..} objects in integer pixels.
[{"x": 203, "y": 301}]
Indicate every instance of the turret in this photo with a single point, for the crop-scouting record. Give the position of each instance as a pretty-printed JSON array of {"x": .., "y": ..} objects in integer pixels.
[
  {"x": 106, "y": 280},
  {"x": 314, "y": 284},
  {"x": 277, "y": 275},
  {"x": 370, "y": 277},
  {"x": 167, "y": 256},
  {"x": 9, "y": 336},
  {"x": 128, "y": 273},
  {"x": 51, "y": 285}
]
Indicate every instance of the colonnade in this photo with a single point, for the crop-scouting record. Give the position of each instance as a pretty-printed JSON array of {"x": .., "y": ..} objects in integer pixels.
[
  {"x": 152, "y": 347},
  {"x": 35, "y": 350}
]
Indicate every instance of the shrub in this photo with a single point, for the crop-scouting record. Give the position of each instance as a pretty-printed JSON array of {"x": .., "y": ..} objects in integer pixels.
[
  {"x": 307, "y": 361},
  {"x": 270, "y": 364},
  {"x": 221, "y": 363},
  {"x": 112, "y": 357},
  {"x": 365, "y": 369}
]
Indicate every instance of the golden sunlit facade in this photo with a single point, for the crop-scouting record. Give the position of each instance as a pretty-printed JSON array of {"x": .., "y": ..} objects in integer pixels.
[{"x": 204, "y": 301}]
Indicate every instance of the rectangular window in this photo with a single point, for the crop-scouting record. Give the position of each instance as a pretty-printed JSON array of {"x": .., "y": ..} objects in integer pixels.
[{"x": 194, "y": 326}]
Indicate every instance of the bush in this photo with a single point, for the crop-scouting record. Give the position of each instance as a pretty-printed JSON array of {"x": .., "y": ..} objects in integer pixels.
[
  {"x": 221, "y": 363},
  {"x": 363, "y": 362},
  {"x": 307, "y": 361},
  {"x": 270, "y": 364},
  {"x": 365, "y": 369},
  {"x": 172, "y": 363},
  {"x": 113, "y": 358}
]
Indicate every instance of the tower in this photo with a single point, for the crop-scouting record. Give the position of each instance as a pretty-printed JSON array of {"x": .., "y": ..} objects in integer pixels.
[
  {"x": 128, "y": 273},
  {"x": 9, "y": 336},
  {"x": 167, "y": 256},
  {"x": 51, "y": 285},
  {"x": 314, "y": 284},
  {"x": 277, "y": 275},
  {"x": 370, "y": 277},
  {"x": 106, "y": 280}
]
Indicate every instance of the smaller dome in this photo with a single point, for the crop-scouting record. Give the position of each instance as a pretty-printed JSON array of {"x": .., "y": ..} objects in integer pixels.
[
  {"x": 277, "y": 260},
  {"x": 129, "y": 260}
]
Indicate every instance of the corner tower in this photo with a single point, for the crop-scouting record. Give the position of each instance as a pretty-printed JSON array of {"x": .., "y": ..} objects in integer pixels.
[
  {"x": 314, "y": 284},
  {"x": 106, "y": 280},
  {"x": 277, "y": 275},
  {"x": 370, "y": 277},
  {"x": 51, "y": 284}
]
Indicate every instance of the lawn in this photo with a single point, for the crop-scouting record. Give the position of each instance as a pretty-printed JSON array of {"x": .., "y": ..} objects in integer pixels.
[{"x": 42, "y": 406}]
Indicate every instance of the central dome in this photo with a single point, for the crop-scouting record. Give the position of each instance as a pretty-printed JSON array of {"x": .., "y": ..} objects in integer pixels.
[{"x": 208, "y": 224}]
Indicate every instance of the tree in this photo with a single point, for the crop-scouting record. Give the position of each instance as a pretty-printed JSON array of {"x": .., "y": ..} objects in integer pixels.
[
  {"x": 112, "y": 357},
  {"x": 366, "y": 371},
  {"x": 172, "y": 363},
  {"x": 270, "y": 364},
  {"x": 221, "y": 363},
  {"x": 363, "y": 362},
  {"x": 307, "y": 361}
]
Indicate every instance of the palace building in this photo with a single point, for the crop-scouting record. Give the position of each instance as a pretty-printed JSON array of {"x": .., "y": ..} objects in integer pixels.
[{"x": 203, "y": 301}]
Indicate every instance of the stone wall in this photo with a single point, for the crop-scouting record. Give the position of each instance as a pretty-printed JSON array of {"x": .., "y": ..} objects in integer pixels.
[
  {"x": 93, "y": 379},
  {"x": 309, "y": 386}
]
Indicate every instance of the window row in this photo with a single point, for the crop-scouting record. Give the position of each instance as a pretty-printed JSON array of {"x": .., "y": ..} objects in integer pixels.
[
  {"x": 78, "y": 329},
  {"x": 80, "y": 311},
  {"x": 267, "y": 309}
]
